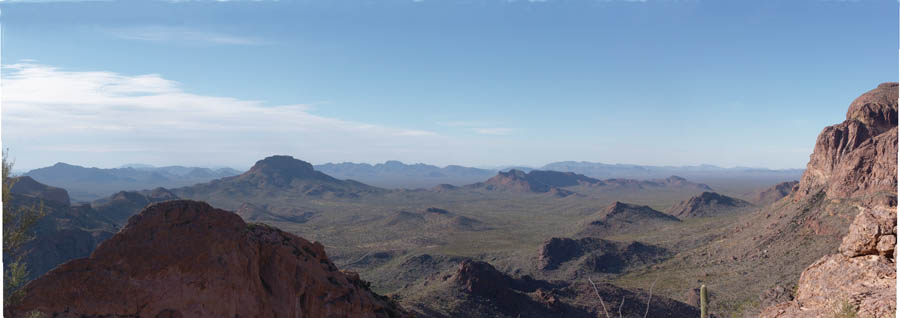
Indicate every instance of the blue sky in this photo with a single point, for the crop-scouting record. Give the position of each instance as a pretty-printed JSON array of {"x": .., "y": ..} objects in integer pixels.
[{"x": 471, "y": 82}]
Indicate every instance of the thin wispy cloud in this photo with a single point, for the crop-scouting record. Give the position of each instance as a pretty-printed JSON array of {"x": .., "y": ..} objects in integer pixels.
[
  {"x": 479, "y": 127},
  {"x": 105, "y": 113},
  {"x": 493, "y": 131},
  {"x": 181, "y": 35}
]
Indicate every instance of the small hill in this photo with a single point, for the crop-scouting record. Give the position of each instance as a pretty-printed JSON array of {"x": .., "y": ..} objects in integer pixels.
[
  {"x": 250, "y": 212},
  {"x": 621, "y": 218},
  {"x": 122, "y": 205},
  {"x": 185, "y": 258},
  {"x": 706, "y": 204},
  {"x": 774, "y": 193},
  {"x": 431, "y": 219},
  {"x": 590, "y": 255},
  {"x": 477, "y": 289}
]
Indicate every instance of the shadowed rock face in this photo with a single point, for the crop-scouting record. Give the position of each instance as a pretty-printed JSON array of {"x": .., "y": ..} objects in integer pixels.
[
  {"x": 187, "y": 259},
  {"x": 29, "y": 187},
  {"x": 706, "y": 204},
  {"x": 477, "y": 289},
  {"x": 597, "y": 255},
  {"x": 857, "y": 157}
]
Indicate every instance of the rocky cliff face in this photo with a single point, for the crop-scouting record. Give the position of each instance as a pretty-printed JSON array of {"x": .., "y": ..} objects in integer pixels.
[
  {"x": 187, "y": 259},
  {"x": 858, "y": 157},
  {"x": 856, "y": 160}
]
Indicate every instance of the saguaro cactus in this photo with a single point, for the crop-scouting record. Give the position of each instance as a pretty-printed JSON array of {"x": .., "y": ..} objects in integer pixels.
[{"x": 703, "y": 312}]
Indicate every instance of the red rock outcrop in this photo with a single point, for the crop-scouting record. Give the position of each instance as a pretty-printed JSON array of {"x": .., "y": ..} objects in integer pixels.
[
  {"x": 857, "y": 157},
  {"x": 862, "y": 276},
  {"x": 187, "y": 259}
]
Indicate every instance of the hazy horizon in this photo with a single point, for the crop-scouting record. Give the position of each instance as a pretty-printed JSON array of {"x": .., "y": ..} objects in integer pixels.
[
  {"x": 471, "y": 83},
  {"x": 17, "y": 168}
]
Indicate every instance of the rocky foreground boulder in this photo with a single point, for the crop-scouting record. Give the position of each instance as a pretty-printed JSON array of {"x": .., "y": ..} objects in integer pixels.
[
  {"x": 862, "y": 277},
  {"x": 188, "y": 259}
]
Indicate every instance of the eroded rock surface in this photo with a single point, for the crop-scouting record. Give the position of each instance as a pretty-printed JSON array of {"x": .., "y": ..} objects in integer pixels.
[
  {"x": 856, "y": 159},
  {"x": 187, "y": 259}
]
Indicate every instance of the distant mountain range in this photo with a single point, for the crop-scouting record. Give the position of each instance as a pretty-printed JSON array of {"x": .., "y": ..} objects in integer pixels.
[
  {"x": 602, "y": 170},
  {"x": 87, "y": 184},
  {"x": 395, "y": 174}
]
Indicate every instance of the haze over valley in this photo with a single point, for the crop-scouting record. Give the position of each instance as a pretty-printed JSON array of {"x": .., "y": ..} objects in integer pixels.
[{"x": 449, "y": 158}]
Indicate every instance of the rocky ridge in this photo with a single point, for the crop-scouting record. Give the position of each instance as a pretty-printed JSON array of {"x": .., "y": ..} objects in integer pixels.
[{"x": 187, "y": 259}]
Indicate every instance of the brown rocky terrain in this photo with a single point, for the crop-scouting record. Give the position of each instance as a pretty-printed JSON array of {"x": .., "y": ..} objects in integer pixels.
[
  {"x": 622, "y": 217},
  {"x": 477, "y": 289},
  {"x": 856, "y": 159},
  {"x": 187, "y": 259},
  {"x": 706, "y": 204},
  {"x": 774, "y": 193},
  {"x": 590, "y": 255},
  {"x": 862, "y": 277}
]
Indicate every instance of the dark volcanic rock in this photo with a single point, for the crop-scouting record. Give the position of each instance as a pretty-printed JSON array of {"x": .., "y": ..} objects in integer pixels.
[
  {"x": 859, "y": 156},
  {"x": 187, "y": 259},
  {"x": 477, "y": 289},
  {"x": 591, "y": 255},
  {"x": 706, "y": 204}
]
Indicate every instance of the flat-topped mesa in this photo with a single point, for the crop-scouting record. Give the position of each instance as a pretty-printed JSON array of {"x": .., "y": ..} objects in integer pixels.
[
  {"x": 858, "y": 157},
  {"x": 282, "y": 169},
  {"x": 185, "y": 258}
]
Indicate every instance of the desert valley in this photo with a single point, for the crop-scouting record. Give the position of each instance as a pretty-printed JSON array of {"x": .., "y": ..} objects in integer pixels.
[{"x": 286, "y": 238}]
